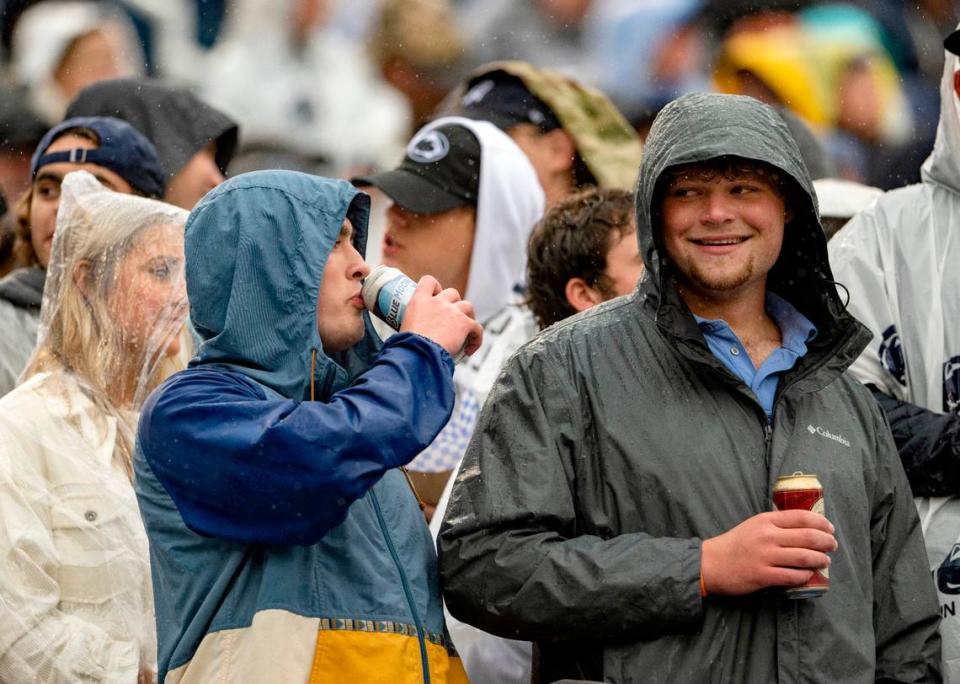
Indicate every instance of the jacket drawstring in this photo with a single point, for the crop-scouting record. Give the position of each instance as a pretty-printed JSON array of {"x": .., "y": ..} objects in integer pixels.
[{"x": 423, "y": 506}]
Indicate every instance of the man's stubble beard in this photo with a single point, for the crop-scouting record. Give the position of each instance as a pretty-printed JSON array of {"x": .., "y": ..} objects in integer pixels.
[{"x": 707, "y": 282}]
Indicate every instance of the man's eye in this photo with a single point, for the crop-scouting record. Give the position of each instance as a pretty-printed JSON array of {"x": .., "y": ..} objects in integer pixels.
[{"x": 48, "y": 191}]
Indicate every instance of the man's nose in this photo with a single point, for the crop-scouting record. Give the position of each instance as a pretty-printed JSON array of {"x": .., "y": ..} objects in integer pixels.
[
  {"x": 717, "y": 208},
  {"x": 360, "y": 271}
]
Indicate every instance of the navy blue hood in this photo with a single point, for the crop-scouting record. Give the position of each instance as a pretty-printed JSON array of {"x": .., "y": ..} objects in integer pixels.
[{"x": 256, "y": 247}]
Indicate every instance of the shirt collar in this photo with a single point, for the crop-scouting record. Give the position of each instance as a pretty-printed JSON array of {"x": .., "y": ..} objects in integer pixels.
[{"x": 795, "y": 328}]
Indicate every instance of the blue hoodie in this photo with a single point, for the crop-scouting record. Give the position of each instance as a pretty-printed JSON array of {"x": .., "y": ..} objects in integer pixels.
[{"x": 285, "y": 545}]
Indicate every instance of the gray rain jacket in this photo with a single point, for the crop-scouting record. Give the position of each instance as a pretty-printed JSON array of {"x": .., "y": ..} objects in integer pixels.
[
  {"x": 615, "y": 442},
  {"x": 21, "y": 293}
]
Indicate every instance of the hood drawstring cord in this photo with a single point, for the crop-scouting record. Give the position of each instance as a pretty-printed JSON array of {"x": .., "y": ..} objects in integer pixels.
[
  {"x": 846, "y": 303},
  {"x": 420, "y": 503},
  {"x": 313, "y": 387}
]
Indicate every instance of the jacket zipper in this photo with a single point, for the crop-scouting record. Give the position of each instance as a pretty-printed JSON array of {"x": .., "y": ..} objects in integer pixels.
[
  {"x": 421, "y": 634},
  {"x": 767, "y": 442},
  {"x": 781, "y": 390}
]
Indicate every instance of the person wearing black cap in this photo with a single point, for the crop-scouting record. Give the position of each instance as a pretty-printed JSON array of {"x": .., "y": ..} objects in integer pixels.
[
  {"x": 195, "y": 142},
  {"x": 465, "y": 199},
  {"x": 572, "y": 134},
  {"x": 898, "y": 260},
  {"x": 121, "y": 158}
]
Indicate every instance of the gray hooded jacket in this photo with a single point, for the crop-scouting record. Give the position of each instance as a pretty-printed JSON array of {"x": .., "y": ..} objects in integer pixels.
[
  {"x": 615, "y": 442},
  {"x": 21, "y": 292}
]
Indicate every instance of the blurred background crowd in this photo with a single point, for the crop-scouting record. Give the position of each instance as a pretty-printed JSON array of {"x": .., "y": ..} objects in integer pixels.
[{"x": 337, "y": 87}]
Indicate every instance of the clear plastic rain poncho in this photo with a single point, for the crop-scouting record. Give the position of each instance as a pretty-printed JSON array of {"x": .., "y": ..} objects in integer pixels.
[{"x": 75, "y": 598}]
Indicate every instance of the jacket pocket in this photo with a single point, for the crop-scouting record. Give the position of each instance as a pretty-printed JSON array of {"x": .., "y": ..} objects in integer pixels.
[{"x": 97, "y": 555}]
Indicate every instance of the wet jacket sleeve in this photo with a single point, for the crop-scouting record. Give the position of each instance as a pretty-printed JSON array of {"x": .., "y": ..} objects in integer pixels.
[
  {"x": 251, "y": 469},
  {"x": 905, "y": 618},
  {"x": 929, "y": 445},
  {"x": 512, "y": 560}
]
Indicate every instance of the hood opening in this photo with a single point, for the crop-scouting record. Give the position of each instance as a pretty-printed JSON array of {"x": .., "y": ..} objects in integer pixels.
[
  {"x": 256, "y": 249},
  {"x": 740, "y": 127}
]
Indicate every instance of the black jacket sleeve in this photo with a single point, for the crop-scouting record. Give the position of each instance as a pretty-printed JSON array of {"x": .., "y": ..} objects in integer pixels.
[
  {"x": 905, "y": 618},
  {"x": 928, "y": 443}
]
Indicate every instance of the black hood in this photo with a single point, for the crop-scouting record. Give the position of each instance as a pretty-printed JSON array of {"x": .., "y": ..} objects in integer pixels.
[
  {"x": 24, "y": 287},
  {"x": 703, "y": 126},
  {"x": 175, "y": 120}
]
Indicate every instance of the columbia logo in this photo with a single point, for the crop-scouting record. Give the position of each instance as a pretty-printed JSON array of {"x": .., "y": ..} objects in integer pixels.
[{"x": 826, "y": 433}]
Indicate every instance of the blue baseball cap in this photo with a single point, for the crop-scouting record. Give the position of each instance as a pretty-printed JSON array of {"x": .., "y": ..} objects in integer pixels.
[{"x": 121, "y": 148}]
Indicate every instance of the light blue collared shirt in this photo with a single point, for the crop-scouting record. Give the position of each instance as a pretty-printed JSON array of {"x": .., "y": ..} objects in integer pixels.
[{"x": 796, "y": 331}]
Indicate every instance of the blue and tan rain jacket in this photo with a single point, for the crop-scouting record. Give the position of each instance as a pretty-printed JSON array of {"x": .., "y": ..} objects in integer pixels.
[{"x": 286, "y": 546}]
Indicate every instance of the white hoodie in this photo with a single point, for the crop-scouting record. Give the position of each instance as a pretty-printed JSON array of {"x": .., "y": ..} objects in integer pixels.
[
  {"x": 899, "y": 259},
  {"x": 510, "y": 201}
]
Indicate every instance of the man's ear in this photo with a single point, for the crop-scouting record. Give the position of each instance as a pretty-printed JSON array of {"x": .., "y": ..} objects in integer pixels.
[
  {"x": 580, "y": 295},
  {"x": 562, "y": 150}
]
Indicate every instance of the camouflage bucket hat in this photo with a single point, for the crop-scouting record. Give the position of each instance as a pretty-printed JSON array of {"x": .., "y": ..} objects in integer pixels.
[{"x": 609, "y": 147}]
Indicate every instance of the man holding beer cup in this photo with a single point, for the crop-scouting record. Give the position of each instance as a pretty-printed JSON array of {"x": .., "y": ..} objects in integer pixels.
[{"x": 617, "y": 503}]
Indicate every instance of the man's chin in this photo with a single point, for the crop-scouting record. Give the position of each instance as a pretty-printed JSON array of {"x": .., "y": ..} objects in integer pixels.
[{"x": 719, "y": 283}]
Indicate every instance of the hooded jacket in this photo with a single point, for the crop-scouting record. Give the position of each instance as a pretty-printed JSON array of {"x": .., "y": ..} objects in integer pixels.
[
  {"x": 897, "y": 259},
  {"x": 509, "y": 204},
  {"x": 21, "y": 293},
  {"x": 285, "y": 545},
  {"x": 605, "y": 141},
  {"x": 615, "y": 441},
  {"x": 175, "y": 120},
  {"x": 75, "y": 597}
]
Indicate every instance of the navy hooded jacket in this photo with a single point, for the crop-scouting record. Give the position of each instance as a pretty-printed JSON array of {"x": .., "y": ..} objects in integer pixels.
[{"x": 253, "y": 496}]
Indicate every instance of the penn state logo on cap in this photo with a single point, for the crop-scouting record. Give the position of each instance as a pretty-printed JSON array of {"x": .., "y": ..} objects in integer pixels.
[{"x": 428, "y": 148}]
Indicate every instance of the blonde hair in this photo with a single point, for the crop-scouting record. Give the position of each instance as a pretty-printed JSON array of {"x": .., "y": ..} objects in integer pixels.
[{"x": 77, "y": 334}]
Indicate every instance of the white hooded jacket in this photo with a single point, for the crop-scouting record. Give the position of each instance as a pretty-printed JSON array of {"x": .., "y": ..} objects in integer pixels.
[
  {"x": 898, "y": 259},
  {"x": 509, "y": 203}
]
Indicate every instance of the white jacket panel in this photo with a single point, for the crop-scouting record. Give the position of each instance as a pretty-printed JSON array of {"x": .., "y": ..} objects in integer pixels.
[
  {"x": 899, "y": 260},
  {"x": 75, "y": 599}
]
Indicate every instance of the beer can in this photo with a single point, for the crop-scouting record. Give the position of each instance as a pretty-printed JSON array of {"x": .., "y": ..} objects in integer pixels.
[
  {"x": 386, "y": 293},
  {"x": 802, "y": 491}
]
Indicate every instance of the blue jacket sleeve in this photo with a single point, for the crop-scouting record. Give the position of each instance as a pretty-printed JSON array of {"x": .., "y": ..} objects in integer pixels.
[{"x": 247, "y": 468}]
